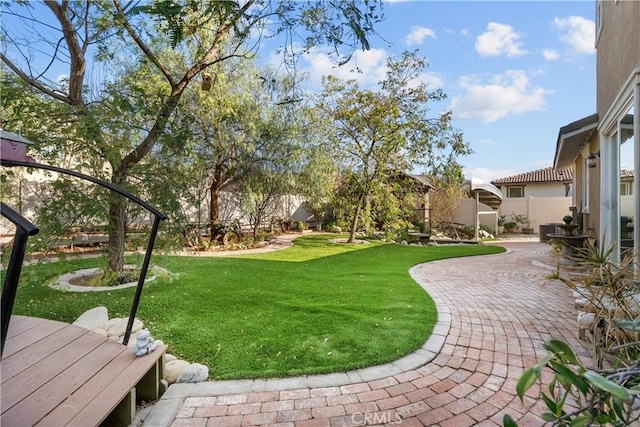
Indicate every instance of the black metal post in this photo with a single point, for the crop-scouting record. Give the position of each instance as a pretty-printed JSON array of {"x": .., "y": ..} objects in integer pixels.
[
  {"x": 156, "y": 223},
  {"x": 24, "y": 229},
  {"x": 141, "y": 278}
]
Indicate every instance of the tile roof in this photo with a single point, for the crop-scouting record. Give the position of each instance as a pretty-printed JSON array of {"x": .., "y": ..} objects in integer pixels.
[{"x": 540, "y": 175}]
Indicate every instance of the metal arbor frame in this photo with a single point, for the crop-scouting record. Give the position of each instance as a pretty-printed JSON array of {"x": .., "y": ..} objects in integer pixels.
[{"x": 25, "y": 228}]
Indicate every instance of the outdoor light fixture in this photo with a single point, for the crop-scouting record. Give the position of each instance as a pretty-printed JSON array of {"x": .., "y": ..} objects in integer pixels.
[
  {"x": 206, "y": 82},
  {"x": 591, "y": 160}
]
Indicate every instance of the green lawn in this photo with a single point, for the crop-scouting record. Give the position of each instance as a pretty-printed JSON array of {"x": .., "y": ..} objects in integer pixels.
[{"x": 316, "y": 307}]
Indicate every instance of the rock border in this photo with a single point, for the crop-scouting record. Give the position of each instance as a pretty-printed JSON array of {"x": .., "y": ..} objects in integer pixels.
[
  {"x": 176, "y": 371},
  {"x": 344, "y": 241},
  {"x": 63, "y": 282}
]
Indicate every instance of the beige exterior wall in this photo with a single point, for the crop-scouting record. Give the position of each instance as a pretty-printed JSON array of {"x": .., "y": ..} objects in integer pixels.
[
  {"x": 618, "y": 51},
  {"x": 540, "y": 210},
  {"x": 542, "y": 189},
  {"x": 591, "y": 220},
  {"x": 618, "y": 59}
]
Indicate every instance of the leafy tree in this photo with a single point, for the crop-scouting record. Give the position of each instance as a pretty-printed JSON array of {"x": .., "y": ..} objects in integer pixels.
[
  {"x": 219, "y": 132},
  {"x": 389, "y": 130},
  {"x": 106, "y": 32},
  {"x": 316, "y": 182},
  {"x": 317, "y": 172},
  {"x": 445, "y": 198},
  {"x": 260, "y": 196}
]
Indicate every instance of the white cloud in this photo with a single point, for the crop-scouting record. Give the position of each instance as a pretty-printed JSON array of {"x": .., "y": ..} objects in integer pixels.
[
  {"x": 577, "y": 32},
  {"x": 541, "y": 164},
  {"x": 504, "y": 95},
  {"x": 418, "y": 34},
  {"x": 371, "y": 63},
  {"x": 372, "y": 66},
  {"x": 433, "y": 80},
  {"x": 550, "y": 54},
  {"x": 486, "y": 141},
  {"x": 499, "y": 39},
  {"x": 488, "y": 175}
]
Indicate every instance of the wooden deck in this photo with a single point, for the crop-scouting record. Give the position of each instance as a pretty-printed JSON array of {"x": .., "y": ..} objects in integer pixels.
[{"x": 54, "y": 374}]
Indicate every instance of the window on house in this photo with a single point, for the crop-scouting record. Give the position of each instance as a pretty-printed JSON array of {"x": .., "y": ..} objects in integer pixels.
[
  {"x": 598, "y": 19},
  {"x": 626, "y": 188},
  {"x": 515, "y": 192}
]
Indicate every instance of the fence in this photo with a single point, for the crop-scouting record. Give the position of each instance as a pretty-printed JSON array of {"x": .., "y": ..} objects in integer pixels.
[{"x": 539, "y": 210}]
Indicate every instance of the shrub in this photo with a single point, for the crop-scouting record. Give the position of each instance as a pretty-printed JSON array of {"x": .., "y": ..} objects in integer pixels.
[
  {"x": 598, "y": 396},
  {"x": 612, "y": 294},
  {"x": 607, "y": 397}
]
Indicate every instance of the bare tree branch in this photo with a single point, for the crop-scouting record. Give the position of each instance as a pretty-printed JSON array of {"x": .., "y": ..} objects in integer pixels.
[
  {"x": 33, "y": 82},
  {"x": 76, "y": 52}
]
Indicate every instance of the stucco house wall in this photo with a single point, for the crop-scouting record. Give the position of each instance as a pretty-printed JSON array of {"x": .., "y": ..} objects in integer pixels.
[
  {"x": 546, "y": 182},
  {"x": 607, "y": 160},
  {"x": 618, "y": 44},
  {"x": 618, "y": 104},
  {"x": 543, "y": 189}
]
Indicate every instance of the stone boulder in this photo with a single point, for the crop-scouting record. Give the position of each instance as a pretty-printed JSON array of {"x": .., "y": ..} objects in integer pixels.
[
  {"x": 97, "y": 320},
  {"x": 173, "y": 369},
  {"x": 93, "y": 319},
  {"x": 194, "y": 373},
  {"x": 113, "y": 321},
  {"x": 119, "y": 328}
]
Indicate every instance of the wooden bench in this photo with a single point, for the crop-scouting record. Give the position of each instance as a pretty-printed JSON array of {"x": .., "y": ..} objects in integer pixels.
[{"x": 53, "y": 373}]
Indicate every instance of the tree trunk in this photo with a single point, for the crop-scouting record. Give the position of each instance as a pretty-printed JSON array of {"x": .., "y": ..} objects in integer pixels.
[
  {"x": 367, "y": 216},
  {"x": 318, "y": 216},
  {"x": 117, "y": 233},
  {"x": 117, "y": 226},
  {"x": 354, "y": 222},
  {"x": 214, "y": 202},
  {"x": 214, "y": 208}
]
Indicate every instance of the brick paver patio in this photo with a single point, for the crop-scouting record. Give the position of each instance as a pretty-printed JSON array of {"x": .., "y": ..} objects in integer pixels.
[{"x": 494, "y": 312}]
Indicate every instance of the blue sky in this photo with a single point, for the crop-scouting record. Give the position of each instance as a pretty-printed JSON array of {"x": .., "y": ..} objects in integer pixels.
[{"x": 514, "y": 72}]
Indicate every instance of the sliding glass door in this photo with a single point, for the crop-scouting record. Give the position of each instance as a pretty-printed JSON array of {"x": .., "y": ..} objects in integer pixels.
[
  {"x": 626, "y": 197},
  {"x": 619, "y": 203}
]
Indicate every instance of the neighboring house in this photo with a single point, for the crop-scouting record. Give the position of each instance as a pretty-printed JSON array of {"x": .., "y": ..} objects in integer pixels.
[
  {"x": 604, "y": 148},
  {"x": 548, "y": 182},
  {"x": 543, "y": 196}
]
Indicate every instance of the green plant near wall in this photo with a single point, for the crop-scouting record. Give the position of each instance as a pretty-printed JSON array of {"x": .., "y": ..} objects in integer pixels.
[
  {"x": 510, "y": 225},
  {"x": 605, "y": 397},
  {"x": 599, "y": 396},
  {"x": 611, "y": 290}
]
